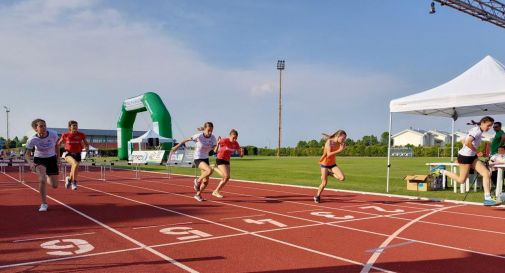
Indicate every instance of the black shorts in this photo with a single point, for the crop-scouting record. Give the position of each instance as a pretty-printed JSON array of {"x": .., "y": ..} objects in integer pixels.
[
  {"x": 328, "y": 167},
  {"x": 222, "y": 162},
  {"x": 462, "y": 159},
  {"x": 76, "y": 156},
  {"x": 198, "y": 161},
  {"x": 50, "y": 163}
]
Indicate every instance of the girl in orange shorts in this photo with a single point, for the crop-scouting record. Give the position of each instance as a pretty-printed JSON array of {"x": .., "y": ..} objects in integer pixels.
[{"x": 335, "y": 144}]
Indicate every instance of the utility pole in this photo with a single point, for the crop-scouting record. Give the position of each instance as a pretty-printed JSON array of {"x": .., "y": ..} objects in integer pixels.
[
  {"x": 280, "y": 67},
  {"x": 7, "y": 110}
]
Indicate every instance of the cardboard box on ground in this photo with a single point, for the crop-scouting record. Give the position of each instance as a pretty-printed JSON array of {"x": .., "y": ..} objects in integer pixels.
[{"x": 420, "y": 182}]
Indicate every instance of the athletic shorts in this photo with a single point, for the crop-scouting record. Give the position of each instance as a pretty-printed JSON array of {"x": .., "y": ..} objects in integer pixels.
[
  {"x": 222, "y": 162},
  {"x": 328, "y": 167},
  {"x": 198, "y": 161},
  {"x": 76, "y": 156},
  {"x": 462, "y": 159},
  {"x": 50, "y": 163}
]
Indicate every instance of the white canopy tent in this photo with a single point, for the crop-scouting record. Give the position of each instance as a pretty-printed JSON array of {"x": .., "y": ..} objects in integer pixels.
[
  {"x": 478, "y": 91},
  {"x": 151, "y": 134}
]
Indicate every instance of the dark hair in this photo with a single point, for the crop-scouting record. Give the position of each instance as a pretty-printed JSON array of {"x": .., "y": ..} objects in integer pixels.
[
  {"x": 497, "y": 123},
  {"x": 501, "y": 147},
  {"x": 207, "y": 124},
  {"x": 36, "y": 121},
  {"x": 70, "y": 122},
  {"x": 233, "y": 132},
  {"x": 484, "y": 119}
]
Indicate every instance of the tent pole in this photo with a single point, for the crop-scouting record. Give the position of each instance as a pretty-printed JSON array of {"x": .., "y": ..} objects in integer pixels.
[
  {"x": 389, "y": 152},
  {"x": 452, "y": 141}
]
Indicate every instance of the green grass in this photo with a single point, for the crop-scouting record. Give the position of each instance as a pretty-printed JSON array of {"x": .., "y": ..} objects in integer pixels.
[{"x": 366, "y": 174}]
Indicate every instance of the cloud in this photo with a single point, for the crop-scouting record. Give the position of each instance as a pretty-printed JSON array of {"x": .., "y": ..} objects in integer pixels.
[{"x": 71, "y": 59}]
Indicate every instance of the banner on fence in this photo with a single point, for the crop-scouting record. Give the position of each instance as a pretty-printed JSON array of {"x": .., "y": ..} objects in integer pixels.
[{"x": 149, "y": 157}]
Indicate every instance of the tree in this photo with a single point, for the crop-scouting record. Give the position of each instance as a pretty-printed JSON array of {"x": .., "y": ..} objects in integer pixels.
[
  {"x": 384, "y": 138},
  {"x": 301, "y": 144},
  {"x": 313, "y": 144},
  {"x": 369, "y": 140}
]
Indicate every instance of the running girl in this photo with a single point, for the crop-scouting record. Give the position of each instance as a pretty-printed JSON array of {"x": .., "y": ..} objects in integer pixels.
[
  {"x": 205, "y": 141},
  {"x": 74, "y": 142},
  {"x": 46, "y": 157},
  {"x": 225, "y": 148},
  {"x": 335, "y": 144},
  {"x": 468, "y": 158}
]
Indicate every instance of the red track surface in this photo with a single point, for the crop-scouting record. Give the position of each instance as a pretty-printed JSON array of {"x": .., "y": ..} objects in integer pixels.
[{"x": 154, "y": 225}]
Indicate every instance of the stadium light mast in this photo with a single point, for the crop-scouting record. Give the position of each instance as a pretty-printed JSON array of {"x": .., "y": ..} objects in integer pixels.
[
  {"x": 280, "y": 67},
  {"x": 7, "y": 110}
]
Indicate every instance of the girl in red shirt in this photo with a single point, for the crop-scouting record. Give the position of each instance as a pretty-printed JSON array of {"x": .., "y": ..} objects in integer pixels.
[
  {"x": 335, "y": 144},
  {"x": 224, "y": 149},
  {"x": 75, "y": 141}
]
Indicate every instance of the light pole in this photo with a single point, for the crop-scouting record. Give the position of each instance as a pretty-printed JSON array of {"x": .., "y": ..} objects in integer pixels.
[
  {"x": 280, "y": 67},
  {"x": 7, "y": 110}
]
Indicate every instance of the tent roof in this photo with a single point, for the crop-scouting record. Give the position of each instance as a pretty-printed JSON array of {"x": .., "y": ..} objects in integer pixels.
[
  {"x": 150, "y": 134},
  {"x": 478, "y": 91}
]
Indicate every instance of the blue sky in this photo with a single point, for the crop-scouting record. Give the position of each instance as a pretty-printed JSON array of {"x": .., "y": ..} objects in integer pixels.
[{"x": 215, "y": 61}]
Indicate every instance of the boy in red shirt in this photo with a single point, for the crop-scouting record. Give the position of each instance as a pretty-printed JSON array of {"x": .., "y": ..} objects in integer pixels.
[
  {"x": 75, "y": 141},
  {"x": 225, "y": 148}
]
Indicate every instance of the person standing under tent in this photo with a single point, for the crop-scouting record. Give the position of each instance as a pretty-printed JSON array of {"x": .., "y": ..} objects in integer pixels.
[
  {"x": 74, "y": 141},
  {"x": 468, "y": 158},
  {"x": 224, "y": 149},
  {"x": 498, "y": 139},
  {"x": 498, "y": 158},
  {"x": 335, "y": 144},
  {"x": 46, "y": 157},
  {"x": 204, "y": 143}
]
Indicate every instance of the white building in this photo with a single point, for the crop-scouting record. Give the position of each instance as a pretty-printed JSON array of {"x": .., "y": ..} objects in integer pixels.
[
  {"x": 418, "y": 137},
  {"x": 414, "y": 137}
]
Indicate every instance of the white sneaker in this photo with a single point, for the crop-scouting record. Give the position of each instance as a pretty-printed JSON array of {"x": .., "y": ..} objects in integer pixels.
[
  {"x": 199, "y": 198},
  {"x": 43, "y": 207},
  {"x": 217, "y": 194},
  {"x": 74, "y": 185},
  {"x": 67, "y": 182},
  {"x": 196, "y": 185}
]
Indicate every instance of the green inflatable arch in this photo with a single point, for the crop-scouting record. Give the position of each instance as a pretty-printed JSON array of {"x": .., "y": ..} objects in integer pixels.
[{"x": 162, "y": 122}]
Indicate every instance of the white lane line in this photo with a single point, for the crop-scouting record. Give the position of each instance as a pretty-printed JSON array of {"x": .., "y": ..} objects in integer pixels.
[
  {"x": 183, "y": 223},
  {"x": 381, "y": 249},
  {"x": 155, "y": 252},
  {"x": 304, "y": 210},
  {"x": 59, "y": 236},
  {"x": 238, "y": 217},
  {"x": 230, "y": 227},
  {"x": 371, "y": 261}
]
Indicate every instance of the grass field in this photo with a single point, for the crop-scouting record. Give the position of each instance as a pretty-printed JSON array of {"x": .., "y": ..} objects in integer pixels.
[{"x": 366, "y": 174}]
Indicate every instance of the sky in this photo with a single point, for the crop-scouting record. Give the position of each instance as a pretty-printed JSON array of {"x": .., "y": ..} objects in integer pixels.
[{"x": 215, "y": 60}]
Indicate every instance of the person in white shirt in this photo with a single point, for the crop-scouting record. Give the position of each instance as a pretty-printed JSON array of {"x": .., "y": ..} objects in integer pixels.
[
  {"x": 468, "y": 158},
  {"x": 46, "y": 157},
  {"x": 496, "y": 159},
  {"x": 204, "y": 143}
]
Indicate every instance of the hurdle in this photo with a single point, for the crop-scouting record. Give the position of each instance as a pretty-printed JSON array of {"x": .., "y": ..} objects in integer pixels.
[
  {"x": 20, "y": 163},
  {"x": 4, "y": 163}
]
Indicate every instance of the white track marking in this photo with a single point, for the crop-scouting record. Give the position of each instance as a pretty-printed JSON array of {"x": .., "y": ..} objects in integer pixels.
[
  {"x": 184, "y": 223},
  {"x": 390, "y": 246},
  {"x": 117, "y": 232},
  {"x": 238, "y": 217},
  {"x": 441, "y": 210},
  {"x": 371, "y": 261},
  {"x": 51, "y": 237},
  {"x": 230, "y": 227}
]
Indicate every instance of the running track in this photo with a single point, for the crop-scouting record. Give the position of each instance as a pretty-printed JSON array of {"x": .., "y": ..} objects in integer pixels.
[{"x": 153, "y": 224}]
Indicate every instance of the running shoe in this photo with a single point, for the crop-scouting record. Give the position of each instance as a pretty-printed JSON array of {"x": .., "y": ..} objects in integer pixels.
[
  {"x": 196, "y": 185},
  {"x": 317, "y": 199},
  {"x": 74, "y": 185},
  {"x": 438, "y": 170},
  {"x": 490, "y": 202},
  {"x": 199, "y": 198},
  {"x": 67, "y": 182},
  {"x": 217, "y": 194},
  {"x": 43, "y": 207}
]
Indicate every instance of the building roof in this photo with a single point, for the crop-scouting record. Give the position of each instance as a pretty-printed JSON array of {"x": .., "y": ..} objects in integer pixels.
[
  {"x": 95, "y": 132},
  {"x": 418, "y": 131}
]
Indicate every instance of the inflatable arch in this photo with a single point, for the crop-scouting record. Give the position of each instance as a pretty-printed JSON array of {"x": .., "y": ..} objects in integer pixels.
[{"x": 162, "y": 122}]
